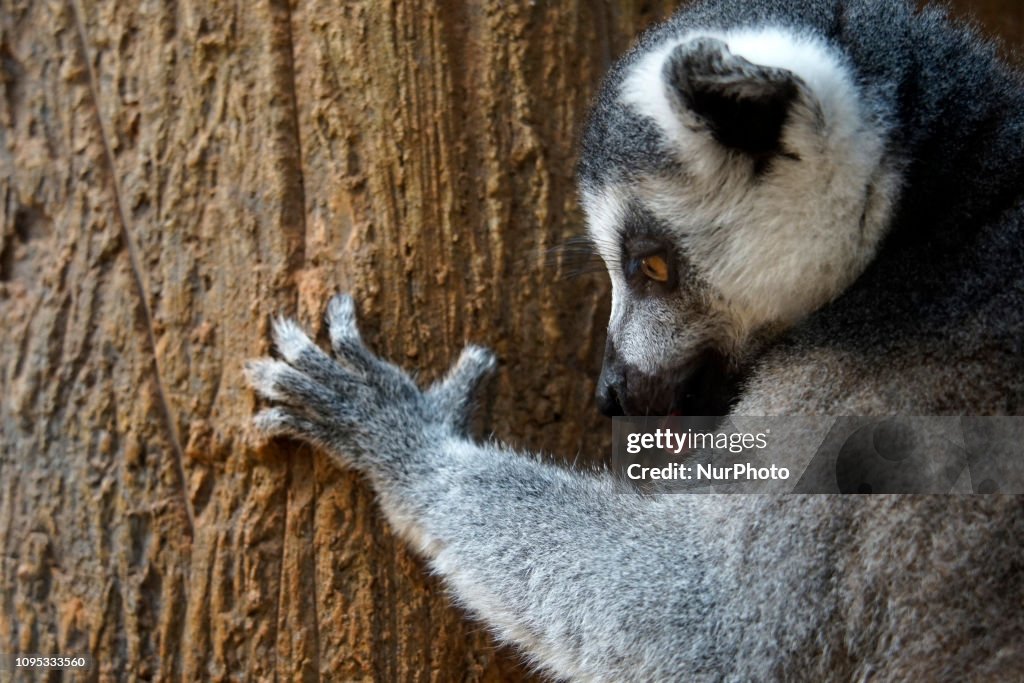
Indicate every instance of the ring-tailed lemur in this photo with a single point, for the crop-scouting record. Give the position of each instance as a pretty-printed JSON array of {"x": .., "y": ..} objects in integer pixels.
[{"x": 806, "y": 207}]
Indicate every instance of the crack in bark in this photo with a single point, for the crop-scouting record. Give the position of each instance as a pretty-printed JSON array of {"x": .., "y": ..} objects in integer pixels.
[
  {"x": 316, "y": 616},
  {"x": 286, "y": 72},
  {"x": 282, "y": 560},
  {"x": 297, "y": 129},
  {"x": 137, "y": 277}
]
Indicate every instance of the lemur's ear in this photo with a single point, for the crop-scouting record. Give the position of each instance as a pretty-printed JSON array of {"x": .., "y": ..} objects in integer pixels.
[{"x": 743, "y": 104}]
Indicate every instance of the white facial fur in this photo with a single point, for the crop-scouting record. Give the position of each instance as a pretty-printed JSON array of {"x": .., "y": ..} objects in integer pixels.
[{"x": 772, "y": 248}]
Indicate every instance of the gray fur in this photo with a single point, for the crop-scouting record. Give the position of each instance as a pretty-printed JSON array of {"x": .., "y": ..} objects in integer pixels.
[{"x": 598, "y": 585}]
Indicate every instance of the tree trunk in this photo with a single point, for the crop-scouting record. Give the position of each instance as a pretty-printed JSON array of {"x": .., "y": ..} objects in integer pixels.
[
  {"x": 176, "y": 173},
  {"x": 173, "y": 174}
]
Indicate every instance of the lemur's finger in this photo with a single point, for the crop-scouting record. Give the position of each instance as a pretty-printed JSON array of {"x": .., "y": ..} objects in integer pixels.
[
  {"x": 341, "y": 317},
  {"x": 455, "y": 392},
  {"x": 260, "y": 375},
  {"x": 278, "y": 381},
  {"x": 300, "y": 352},
  {"x": 289, "y": 339},
  {"x": 279, "y": 421},
  {"x": 475, "y": 363},
  {"x": 345, "y": 338}
]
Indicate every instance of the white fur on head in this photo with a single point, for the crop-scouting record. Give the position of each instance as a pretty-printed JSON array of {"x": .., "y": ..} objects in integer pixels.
[{"x": 773, "y": 246}]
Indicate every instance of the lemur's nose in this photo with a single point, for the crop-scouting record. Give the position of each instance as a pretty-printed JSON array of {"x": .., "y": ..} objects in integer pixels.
[
  {"x": 611, "y": 384},
  {"x": 608, "y": 399}
]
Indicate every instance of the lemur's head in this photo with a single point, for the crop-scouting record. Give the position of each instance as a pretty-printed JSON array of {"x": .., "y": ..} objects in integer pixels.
[{"x": 733, "y": 184}]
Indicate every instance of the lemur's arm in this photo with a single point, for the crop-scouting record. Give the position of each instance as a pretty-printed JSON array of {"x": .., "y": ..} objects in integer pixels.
[{"x": 554, "y": 560}]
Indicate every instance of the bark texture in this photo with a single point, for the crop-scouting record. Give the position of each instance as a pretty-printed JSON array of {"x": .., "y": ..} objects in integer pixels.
[{"x": 173, "y": 173}]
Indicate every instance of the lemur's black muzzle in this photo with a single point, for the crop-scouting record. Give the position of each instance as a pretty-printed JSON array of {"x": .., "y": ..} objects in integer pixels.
[
  {"x": 703, "y": 386},
  {"x": 610, "y": 386}
]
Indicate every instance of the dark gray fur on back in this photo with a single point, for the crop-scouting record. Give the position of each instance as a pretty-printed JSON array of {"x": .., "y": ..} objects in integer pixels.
[{"x": 596, "y": 585}]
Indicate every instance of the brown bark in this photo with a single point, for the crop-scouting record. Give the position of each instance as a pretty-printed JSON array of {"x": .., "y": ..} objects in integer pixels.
[{"x": 173, "y": 173}]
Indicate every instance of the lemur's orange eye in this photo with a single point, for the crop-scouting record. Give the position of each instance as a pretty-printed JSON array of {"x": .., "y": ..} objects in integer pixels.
[{"x": 655, "y": 268}]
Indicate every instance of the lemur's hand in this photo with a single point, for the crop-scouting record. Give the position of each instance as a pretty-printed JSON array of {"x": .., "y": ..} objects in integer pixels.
[{"x": 367, "y": 412}]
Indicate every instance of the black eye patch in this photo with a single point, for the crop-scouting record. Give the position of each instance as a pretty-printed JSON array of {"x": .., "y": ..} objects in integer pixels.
[{"x": 643, "y": 237}]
